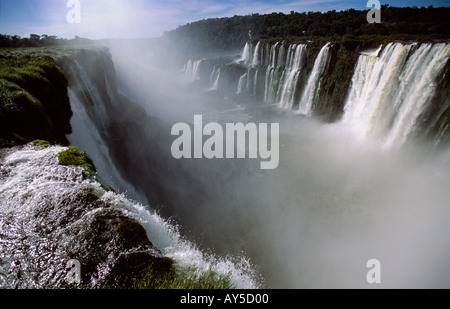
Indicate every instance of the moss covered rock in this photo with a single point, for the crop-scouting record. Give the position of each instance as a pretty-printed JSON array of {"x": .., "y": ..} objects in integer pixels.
[
  {"x": 72, "y": 156},
  {"x": 111, "y": 231},
  {"x": 41, "y": 143}
]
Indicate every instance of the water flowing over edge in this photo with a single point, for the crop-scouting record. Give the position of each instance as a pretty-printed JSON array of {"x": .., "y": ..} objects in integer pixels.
[
  {"x": 391, "y": 87},
  {"x": 33, "y": 176}
]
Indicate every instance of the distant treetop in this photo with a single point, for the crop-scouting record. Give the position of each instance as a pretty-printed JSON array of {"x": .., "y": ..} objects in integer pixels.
[{"x": 232, "y": 33}]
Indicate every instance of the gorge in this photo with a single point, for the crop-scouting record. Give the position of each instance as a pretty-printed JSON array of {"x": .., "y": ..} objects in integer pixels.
[{"x": 363, "y": 171}]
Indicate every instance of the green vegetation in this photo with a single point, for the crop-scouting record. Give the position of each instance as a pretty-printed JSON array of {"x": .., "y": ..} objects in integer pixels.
[
  {"x": 36, "y": 40},
  {"x": 178, "y": 280},
  {"x": 35, "y": 107},
  {"x": 73, "y": 156},
  {"x": 349, "y": 27},
  {"x": 41, "y": 143},
  {"x": 33, "y": 99}
]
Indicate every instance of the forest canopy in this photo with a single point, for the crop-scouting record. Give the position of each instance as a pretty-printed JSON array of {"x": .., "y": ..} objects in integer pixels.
[
  {"x": 36, "y": 40},
  {"x": 231, "y": 33}
]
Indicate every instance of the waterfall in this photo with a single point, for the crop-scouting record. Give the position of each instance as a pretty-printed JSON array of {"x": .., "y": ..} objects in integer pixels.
[
  {"x": 268, "y": 84},
  {"x": 47, "y": 229},
  {"x": 255, "y": 82},
  {"x": 310, "y": 93},
  {"x": 188, "y": 69},
  {"x": 281, "y": 56},
  {"x": 214, "y": 79},
  {"x": 246, "y": 57},
  {"x": 417, "y": 89},
  {"x": 390, "y": 92},
  {"x": 98, "y": 109},
  {"x": 272, "y": 73},
  {"x": 338, "y": 195},
  {"x": 273, "y": 55},
  {"x": 55, "y": 222},
  {"x": 372, "y": 83},
  {"x": 242, "y": 83},
  {"x": 192, "y": 72},
  {"x": 294, "y": 64},
  {"x": 213, "y": 75},
  {"x": 216, "y": 82},
  {"x": 256, "y": 56}
]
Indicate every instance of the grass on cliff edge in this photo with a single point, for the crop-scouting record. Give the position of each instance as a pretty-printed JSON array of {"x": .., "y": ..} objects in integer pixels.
[
  {"x": 190, "y": 279},
  {"x": 33, "y": 99},
  {"x": 186, "y": 280}
]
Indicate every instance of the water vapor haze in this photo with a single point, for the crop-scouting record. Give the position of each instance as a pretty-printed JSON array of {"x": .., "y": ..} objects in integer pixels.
[{"x": 334, "y": 203}]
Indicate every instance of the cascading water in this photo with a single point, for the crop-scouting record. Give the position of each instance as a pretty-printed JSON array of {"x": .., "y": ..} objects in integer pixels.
[
  {"x": 192, "y": 71},
  {"x": 313, "y": 222},
  {"x": 310, "y": 93},
  {"x": 294, "y": 64},
  {"x": 33, "y": 241},
  {"x": 247, "y": 54},
  {"x": 272, "y": 73},
  {"x": 163, "y": 235},
  {"x": 333, "y": 203},
  {"x": 417, "y": 89},
  {"x": 389, "y": 93},
  {"x": 392, "y": 86},
  {"x": 386, "y": 97},
  {"x": 34, "y": 244},
  {"x": 242, "y": 84},
  {"x": 215, "y": 78},
  {"x": 47, "y": 228},
  {"x": 256, "y": 56}
]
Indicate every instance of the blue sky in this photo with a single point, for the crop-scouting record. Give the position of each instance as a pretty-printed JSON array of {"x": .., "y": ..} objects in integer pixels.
[{"x": 150, "y": 18}]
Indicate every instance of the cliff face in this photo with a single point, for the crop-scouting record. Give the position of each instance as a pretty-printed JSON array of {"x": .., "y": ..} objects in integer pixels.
[
  {"x": 435, "y": 123},
  {"x": 53, "y": 210},
  {"x": 49, "y": 213},
  {"x": 122, "y": 129}
]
